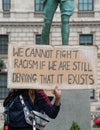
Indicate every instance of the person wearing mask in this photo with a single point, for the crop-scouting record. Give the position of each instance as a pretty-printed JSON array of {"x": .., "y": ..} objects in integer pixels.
[{"x": 34, "y": 100}]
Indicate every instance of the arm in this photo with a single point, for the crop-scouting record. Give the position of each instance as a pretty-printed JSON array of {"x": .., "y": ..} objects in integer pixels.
[
  {"x": 44, "y": 103},
  {"x": 57, "y": 93}
]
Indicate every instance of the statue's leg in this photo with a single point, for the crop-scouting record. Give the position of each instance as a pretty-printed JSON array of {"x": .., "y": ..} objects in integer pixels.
[
  {"x": 49, "y": 10},
  {"x": 67, "y": 8},
  {"x": 65, "y": 29}
]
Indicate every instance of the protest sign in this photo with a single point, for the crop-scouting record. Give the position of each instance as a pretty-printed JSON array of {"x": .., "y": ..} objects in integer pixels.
[{"x": 44, "y": 66}]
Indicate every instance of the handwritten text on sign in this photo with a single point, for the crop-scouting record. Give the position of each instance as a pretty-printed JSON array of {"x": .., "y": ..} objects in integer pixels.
[{"x": 33, "y": 66}]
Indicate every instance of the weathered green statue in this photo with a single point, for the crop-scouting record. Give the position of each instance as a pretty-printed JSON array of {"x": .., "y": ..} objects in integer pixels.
[{"x": 66, "y": 8}]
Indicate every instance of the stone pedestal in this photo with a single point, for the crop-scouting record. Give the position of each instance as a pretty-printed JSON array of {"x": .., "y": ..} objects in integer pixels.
[{"x": 75, "y": 106}]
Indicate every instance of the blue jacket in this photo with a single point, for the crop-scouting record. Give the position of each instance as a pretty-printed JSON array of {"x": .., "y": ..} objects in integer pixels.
[{"x": 41, "y": 102}]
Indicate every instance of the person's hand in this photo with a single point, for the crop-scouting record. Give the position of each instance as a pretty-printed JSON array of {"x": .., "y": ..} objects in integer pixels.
[{"x": 57, "y": 93}]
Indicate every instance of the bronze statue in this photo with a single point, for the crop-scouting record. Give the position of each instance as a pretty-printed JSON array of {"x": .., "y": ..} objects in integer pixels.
[{"x": 66, "y": 9}]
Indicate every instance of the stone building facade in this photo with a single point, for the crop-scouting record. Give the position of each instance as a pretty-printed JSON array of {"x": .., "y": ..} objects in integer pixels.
[{"x": 23, "y": 22}]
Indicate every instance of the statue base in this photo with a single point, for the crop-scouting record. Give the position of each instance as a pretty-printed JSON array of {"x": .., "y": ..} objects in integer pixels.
[{"x": 75, "y": 106}]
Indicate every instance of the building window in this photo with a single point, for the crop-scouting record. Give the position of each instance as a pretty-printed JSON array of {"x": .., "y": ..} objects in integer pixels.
[
  {"x": 3, "y": 44},
  {"x": 86, "y": 39},
  {"x": 91, "y": 93},
  {"x": 85, "y": 5},
  {"x": 38, "y": 39},
  {"x": 6, "y": 5},
  {"x": 3, "y": 85},
  {"x": 38, "y": 5}
]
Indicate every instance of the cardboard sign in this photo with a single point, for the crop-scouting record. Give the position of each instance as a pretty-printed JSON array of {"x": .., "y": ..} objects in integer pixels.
[{"x": 44, "y": 67}]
